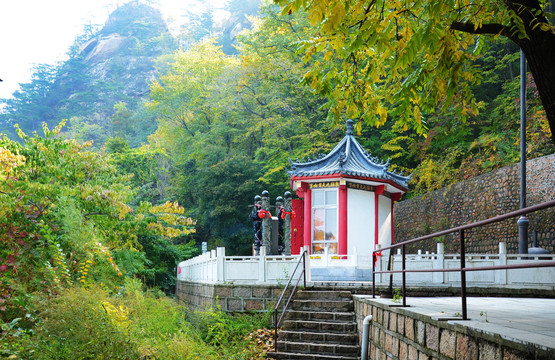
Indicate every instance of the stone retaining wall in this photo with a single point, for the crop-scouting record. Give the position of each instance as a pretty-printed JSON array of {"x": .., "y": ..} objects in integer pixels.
[
  {"x": 399, "y": 334},
  {"x": 480, "y": 198},
  {"x": 229, "y": 297}
]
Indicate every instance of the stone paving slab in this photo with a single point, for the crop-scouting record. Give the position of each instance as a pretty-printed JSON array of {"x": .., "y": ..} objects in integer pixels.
[{"x": 519, "y": 319}]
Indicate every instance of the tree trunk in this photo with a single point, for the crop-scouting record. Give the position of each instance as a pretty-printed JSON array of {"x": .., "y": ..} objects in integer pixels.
[
  {"x": 538, "y": 47},
  {"x": 540, "y": 54}
]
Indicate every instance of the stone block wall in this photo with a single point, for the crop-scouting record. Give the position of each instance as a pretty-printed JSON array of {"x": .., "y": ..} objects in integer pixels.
[
  {"x": 480, "y": 198},
  {"x": 399, "y": 334},
  {"x": 229, "y": 297}
]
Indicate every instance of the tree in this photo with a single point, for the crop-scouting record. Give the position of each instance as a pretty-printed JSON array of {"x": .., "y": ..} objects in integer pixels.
[
  {"x": 229, "y": 124},
  {"x": 407, "y": 58}
]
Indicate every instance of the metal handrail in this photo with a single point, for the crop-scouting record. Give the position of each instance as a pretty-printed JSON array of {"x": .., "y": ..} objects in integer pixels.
[
  {"x": 463, "y": 269},
  {"x": 302, "y": 275}
]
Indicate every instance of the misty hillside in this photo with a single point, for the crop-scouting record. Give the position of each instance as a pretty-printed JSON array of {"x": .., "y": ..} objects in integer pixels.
[{"x": 101, "y": 88}]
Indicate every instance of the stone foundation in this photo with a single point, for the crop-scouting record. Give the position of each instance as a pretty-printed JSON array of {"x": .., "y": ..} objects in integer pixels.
[
  {"x": 229, "y": 297},
  {"x": 401, "y": 334}
]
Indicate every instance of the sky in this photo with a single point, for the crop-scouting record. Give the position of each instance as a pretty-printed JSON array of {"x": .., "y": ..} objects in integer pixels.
[{"x": 36, "y": 32}]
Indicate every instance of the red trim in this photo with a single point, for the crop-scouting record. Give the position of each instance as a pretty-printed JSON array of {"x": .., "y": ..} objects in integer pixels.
[
  {"x": 376, "y": 213},
  {"x": 379, "y": 190},
  {"x": 342, "y": 176},
  {"x": 396, "y": 196},
  {"x": 392, "y": 220},
  {"x": 342, "y": 227}
]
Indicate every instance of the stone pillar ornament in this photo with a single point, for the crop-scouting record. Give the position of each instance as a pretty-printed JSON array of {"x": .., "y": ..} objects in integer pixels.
[
  {"x": 288, "y": 208},
  {"x": 266, "y": 220},
  {"x": 256, "y": 224},
  {"x": 279, "y": 213}
]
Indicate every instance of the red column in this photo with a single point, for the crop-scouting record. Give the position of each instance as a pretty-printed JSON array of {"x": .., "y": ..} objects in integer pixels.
[
  {"x": 379, "y": 191},
  {"x": 308, "y": 218},
  {"x": 342, "y": 214},
  {"x": 305, "y": 193}
]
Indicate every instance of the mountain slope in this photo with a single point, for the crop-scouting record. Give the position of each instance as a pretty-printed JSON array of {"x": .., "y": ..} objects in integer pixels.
[{"x": 106, "y": 75}]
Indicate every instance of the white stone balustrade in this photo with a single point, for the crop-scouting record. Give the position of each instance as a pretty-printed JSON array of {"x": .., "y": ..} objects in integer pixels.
[
  {"x": 532, "y": 277},
  {"x": 215, "y": 267}
]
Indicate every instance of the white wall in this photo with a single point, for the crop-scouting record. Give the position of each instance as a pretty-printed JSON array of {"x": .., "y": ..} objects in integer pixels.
[
  {"x": 360, "y": 221},
  {"x": 384, "y": 221}
]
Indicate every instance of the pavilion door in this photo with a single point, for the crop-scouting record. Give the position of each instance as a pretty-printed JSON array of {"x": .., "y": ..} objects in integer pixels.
[{"x": 297, "y": 226}]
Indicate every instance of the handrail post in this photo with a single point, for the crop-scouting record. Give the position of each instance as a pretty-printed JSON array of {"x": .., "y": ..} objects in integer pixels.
[
  {"x": 463, "y": 275},
  {"x": 275, "y": 327},
  {"x": 404, "y": 275}
]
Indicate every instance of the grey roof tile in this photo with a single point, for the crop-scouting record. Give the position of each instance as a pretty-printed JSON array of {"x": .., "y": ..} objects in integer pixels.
[{"x": 347, "y": 158}]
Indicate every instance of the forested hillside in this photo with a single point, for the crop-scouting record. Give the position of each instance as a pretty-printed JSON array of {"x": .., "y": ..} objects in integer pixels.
[{"x": 212, "y": 128}]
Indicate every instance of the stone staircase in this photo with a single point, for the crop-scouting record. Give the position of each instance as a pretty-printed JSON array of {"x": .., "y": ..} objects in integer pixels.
[{"x": 320, "y": 325}]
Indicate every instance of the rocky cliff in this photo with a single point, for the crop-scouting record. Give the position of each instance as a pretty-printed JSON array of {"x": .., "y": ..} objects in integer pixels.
[{"x": 116, "y": 64}]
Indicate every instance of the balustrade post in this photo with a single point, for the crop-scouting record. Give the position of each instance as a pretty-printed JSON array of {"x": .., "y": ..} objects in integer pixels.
[
  {"x": 307, "y": 262},
  {"x": 262, "y": 264},
  {"x": 220, "y": 264},
  {"x": 439, "y": 263},
  {"x": 379, "y": 263},
  {"x": 501, "y": 275}
]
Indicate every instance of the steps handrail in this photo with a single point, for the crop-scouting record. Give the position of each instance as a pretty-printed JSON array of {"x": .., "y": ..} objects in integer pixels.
[{"x": 277, "y": 321}]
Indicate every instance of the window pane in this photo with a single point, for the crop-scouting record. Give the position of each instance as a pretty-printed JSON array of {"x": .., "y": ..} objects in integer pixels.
[
  {"x": 317, "y": 248},
  {"x": 332, "y": 248},
  {"x": 319, "y": 226},
  {"x": 331, "y": 197},
  {"x": 331, "y": 224},
  {"x": 317, "y": 197}
]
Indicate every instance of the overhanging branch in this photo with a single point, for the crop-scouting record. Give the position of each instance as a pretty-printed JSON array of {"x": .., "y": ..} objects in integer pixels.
[{"x": 490, "y": 29}]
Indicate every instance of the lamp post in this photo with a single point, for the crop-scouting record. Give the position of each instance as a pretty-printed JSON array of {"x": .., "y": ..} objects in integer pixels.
[{"x": 523, "y": 220}]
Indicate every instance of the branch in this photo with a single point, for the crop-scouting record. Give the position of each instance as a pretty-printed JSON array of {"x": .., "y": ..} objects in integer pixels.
[
  {"x": 491, "y": 29},
  {"x": 86, "y": 216},
  {"x": 287, "y": 22},
  {"x": 245, "y": 106}
]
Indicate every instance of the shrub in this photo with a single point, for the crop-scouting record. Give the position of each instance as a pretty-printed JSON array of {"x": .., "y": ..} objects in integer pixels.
[
  {"x": 89, "y": 323},
  {"x": 82, "y": 324}
]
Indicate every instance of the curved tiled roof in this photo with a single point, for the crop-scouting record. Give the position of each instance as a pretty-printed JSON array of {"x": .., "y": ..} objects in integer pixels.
[{"x": 347, "y": 158}]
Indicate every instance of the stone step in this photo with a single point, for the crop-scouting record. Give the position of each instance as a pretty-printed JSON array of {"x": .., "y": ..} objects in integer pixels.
[
  {"x": 321, "y": 295},
  {"x": 321, "y": 315},
  {"x": 299, "y": 356},
  {"x": 324, "y": 305},
  {"x": 318, "y": 348},
  {"x": 316, "y": 337},
  {"x": 319, "y": 326}
]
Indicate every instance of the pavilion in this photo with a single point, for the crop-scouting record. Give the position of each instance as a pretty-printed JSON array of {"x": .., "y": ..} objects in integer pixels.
[{"x": 347, "y": 200}]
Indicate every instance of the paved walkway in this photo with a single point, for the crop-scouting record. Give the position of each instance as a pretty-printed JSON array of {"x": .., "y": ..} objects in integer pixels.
[{"x": 525, "y": 319}]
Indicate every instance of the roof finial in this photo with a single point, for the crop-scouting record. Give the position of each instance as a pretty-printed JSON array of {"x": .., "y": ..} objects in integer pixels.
[{"x": 349, "y": 127}]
